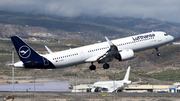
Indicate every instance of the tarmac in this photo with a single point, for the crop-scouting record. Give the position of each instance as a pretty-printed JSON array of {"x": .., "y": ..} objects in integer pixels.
[{"x": 57, "y": 96}]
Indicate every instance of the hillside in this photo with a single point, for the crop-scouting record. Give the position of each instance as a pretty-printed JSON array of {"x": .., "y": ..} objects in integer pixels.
[
  {"x": 60, "y": 33},
  {"x": 137, "y": 24},
  {"x": 82, "y": 28}
]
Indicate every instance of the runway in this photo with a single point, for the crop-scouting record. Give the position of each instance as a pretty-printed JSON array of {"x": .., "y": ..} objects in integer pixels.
[{"x": 56, "y": 96}]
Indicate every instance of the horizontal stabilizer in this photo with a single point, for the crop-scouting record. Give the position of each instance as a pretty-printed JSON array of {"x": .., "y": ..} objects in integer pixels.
[{"x": 11, "y": 64}]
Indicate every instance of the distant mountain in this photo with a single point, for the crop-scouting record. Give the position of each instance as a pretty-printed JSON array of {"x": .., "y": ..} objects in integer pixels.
[
  {"x": 91, "y": 29},
  {"x": 83, "y": 27},
  {"x": 137, "y": 24}
]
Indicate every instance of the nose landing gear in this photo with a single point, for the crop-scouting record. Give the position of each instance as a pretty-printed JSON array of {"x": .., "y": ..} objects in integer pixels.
[{"x": 158, "y": 53}]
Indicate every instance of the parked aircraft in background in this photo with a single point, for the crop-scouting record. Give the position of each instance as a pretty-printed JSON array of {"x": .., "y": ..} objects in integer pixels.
[
  {"x": 111, "y": 86},
  {"x": 120, "y": 49}
]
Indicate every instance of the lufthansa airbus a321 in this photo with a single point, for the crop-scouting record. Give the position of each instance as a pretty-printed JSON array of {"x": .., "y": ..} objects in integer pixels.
[{"x": 120, "y": 49}]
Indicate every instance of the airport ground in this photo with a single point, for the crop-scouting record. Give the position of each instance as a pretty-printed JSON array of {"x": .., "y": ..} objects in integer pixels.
[{"x": 57, "y": 96}]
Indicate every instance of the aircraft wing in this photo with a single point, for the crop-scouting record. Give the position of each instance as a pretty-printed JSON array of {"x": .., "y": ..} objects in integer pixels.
[
  {"x": 104, "y": 87},
  {"x": 136, "y": 82},
  {"x": 94, "y": 58},
  {"x": 107, "y": 56},
  {"x": 125, "y": 85},
  {"x": 110, "y": 54}
]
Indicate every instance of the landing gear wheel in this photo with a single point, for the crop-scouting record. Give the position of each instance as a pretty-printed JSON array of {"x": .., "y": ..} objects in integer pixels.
[
  {"x": 98, "y": 89},
  {"x": 158, "y": 54},
  {"x": 106, "y": 66},
  {"x": 92, "y": 67}
]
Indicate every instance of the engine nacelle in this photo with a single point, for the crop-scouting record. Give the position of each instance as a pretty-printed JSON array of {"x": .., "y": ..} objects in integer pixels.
[{"x": 125, "y": 55}]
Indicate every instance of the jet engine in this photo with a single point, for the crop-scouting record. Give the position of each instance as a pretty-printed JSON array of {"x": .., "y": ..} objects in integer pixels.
[{"x": 125, "y": 55}]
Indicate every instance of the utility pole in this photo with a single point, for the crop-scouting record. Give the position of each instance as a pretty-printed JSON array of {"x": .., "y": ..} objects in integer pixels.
[
  {"x": 114, "y": 85},
  {"x": 75, "y": 84},
  {"x": 89, "y": 82},
  {"x": 12, "y": 48},
  {"x": 114, "y": 80},
  {"x": 140, "y": 80},
  {"x": 152, "y": 85}
]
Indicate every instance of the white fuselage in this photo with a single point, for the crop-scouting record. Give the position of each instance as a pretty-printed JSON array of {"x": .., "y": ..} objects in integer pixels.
[
  {"x": 80, "y": 55},
  {"x": 109, "y": 86},
  {"x": 87, "y": 53}
]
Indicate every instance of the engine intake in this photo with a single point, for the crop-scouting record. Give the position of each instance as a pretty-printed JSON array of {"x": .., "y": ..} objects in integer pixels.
[{"x": 125, "y": 55}]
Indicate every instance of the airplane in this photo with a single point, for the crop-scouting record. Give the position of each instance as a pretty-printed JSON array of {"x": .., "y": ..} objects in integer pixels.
[
  {"x": 111, "y": 86},
  {"x": 121, "y": 49}
]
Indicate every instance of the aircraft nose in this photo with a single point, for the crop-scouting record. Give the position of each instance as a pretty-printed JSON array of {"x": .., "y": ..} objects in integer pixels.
[{"x": 172, "y": 38}]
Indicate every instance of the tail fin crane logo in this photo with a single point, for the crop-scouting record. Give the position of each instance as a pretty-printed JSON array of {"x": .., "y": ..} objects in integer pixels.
[{"x": 24, "y": 51}]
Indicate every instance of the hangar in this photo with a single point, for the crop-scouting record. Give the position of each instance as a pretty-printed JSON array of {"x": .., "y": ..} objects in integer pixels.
[{"x": 150, "y": 88}]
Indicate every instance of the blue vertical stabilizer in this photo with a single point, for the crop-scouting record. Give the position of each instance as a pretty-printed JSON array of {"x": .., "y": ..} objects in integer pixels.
[{"x": 29, "y": 57}]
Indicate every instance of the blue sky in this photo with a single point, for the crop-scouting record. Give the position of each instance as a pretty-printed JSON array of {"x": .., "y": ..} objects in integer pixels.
[{"x": 164, "y": 10}]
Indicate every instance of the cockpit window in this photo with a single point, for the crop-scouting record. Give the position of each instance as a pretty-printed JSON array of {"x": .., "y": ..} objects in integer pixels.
[{"x": 165, "y": 34}]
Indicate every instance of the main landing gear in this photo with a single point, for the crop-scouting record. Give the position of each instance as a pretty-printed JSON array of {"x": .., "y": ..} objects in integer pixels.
[
  {"x": 106, "y": 66},
  {"x": 158, "y": 53},
  {"x": 93, "y": 67}
]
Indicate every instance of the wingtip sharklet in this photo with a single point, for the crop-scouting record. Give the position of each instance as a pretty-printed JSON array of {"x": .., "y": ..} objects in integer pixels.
[
  {"x": 110, "y": 43},
  {"x": 48, "y": 49}
]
